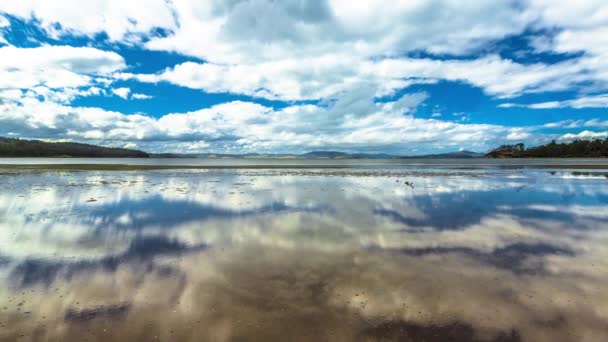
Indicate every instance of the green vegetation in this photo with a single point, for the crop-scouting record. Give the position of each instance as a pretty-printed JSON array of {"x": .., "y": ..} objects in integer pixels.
[
  {"x": 35, "y": 148},
  {"x": 596, "y": 148},
  {"x": 9, "y": 147}
]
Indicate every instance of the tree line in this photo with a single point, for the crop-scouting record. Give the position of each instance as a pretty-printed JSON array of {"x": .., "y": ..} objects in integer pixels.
[
  {"x": 596, "y": 148},
  {"x": 10, "y": 147}
]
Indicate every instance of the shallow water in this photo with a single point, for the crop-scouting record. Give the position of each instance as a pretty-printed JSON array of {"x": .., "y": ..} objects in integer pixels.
[
  {"x": 464, "y": 254},
  {"x": 377, "y": 164}
]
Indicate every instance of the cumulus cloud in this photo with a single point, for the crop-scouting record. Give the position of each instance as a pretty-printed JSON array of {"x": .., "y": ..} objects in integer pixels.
[
  {"x": 3, "y": 23},
  {"x": 591, "y": 101},
  {"x": 294, "y": 79},
  {"x": 584, "y": 135},
  {"x": 577, "y": 123},
  {"x": 55, "y": 66},
  {"x": 120, "y": 20},
  {"x": 327, "y": 76},
  {"x": 355, "y": 122},
  {"x": 236, "y": 30},
  {"x": 138, "y": 96},
  {"x": 55, "y": 75},
  {"x": 581, "y": 25},
  {"x": 284, "y": 63},
  {"x": 122, "y": 92},
  {"x": 315, "y": 49},
  {"x": 126, "y": 94},
  {"x": 335, "y": 54}
]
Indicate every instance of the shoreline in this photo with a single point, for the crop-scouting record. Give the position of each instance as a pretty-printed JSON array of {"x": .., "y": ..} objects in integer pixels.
[{"x": 368, "y": 167}]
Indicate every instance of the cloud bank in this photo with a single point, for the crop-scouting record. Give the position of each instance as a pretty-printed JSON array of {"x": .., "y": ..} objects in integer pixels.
[{"x": 340, "y": 75}]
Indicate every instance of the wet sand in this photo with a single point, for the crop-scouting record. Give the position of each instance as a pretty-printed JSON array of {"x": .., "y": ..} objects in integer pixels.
[{"x": 248, "y": 254}]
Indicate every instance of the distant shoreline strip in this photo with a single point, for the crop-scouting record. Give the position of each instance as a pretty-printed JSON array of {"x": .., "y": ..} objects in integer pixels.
[{"x": 130, "y": 167}]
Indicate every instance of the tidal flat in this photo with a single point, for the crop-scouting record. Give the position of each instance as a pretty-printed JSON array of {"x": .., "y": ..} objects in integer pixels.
[{"x": 430, "y": 252}]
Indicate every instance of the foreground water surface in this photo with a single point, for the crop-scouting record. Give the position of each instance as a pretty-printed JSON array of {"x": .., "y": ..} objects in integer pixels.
[{"x": 419, "y": 253}]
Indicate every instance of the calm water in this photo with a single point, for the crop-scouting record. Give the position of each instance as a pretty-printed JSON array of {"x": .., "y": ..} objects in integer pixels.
[
  {"x": 412, "y": 163},
  {"x": 488, "y": 252}
]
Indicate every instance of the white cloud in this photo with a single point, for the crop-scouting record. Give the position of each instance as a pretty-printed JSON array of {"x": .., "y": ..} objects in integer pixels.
[
  {"x": 354, "y": 122},
  {"x": 138, "y": 96},
  {"x": 294, "y": 50},
  {"x": 261, "y": 30},
  {"x": 10, "y": 95},
  {"x": 591, "y": 101},
  {"x": 310, "y": 44},
  {"x": 582, "y": 24},
  {"x": 62, "y": 95},
  {"x": 329, "y": 75},
  {"x": 120, "y": 20},
  {"x": 584, "y": 135},
  {"x": 122, "y": 92},
  {"x": 57, "y": 74},
  {"x": 55, "y": 66},
  {"x": 577, "y": 124},
  {"x": 4, "y": 22},
  {"x": 197, "y": 146},
  {"x": 341, "y": 53},
  {"x": 583, "y": 28},
  {"x": 519, "y": 135},
  {"x": 315, "y": 78}
]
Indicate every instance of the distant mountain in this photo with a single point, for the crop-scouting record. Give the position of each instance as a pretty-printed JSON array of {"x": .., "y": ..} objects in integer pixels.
[
  {"x": 344, "y": 155},
  {"x": 10, "y": 147},
  {"x": 217, "y": 155},
  {"x": 319, "y": 155},
  {"x": 325, "y": 154},
  {"x": 459, "y": 154}
]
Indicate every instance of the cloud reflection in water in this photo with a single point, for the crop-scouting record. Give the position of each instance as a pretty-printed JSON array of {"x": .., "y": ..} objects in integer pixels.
[{"x": 185, "y": 256}]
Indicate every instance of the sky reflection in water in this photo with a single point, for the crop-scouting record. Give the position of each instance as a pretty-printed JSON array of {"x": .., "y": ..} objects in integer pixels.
[{"x": 189, "y": 255}]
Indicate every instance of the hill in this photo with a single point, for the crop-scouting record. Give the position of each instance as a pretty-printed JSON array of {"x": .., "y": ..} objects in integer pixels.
[
  {"x": 457, "y": 155},
  {"x": 318, "y": 155},
  {"x": 595, "y": 148},
  {"x": 35, "y": 148},
  {"x": 344, "y": 155}
]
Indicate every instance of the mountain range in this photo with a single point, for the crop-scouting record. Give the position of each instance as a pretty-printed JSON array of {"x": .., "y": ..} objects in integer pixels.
[
  {"x": 321, "y": 155},
  {"x": 10, "y": 147}
]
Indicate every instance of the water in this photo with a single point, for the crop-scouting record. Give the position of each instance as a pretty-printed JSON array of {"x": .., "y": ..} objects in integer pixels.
[
  {"x": 463, "y": 252},
  {"x": 409, "y": 163}
]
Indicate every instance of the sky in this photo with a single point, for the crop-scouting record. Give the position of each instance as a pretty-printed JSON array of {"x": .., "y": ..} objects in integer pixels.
[{"x": 239, "y": 76}]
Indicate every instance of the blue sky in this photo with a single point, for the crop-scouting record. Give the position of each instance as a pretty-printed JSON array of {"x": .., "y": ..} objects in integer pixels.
[{"x": 295, "y": 76}]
